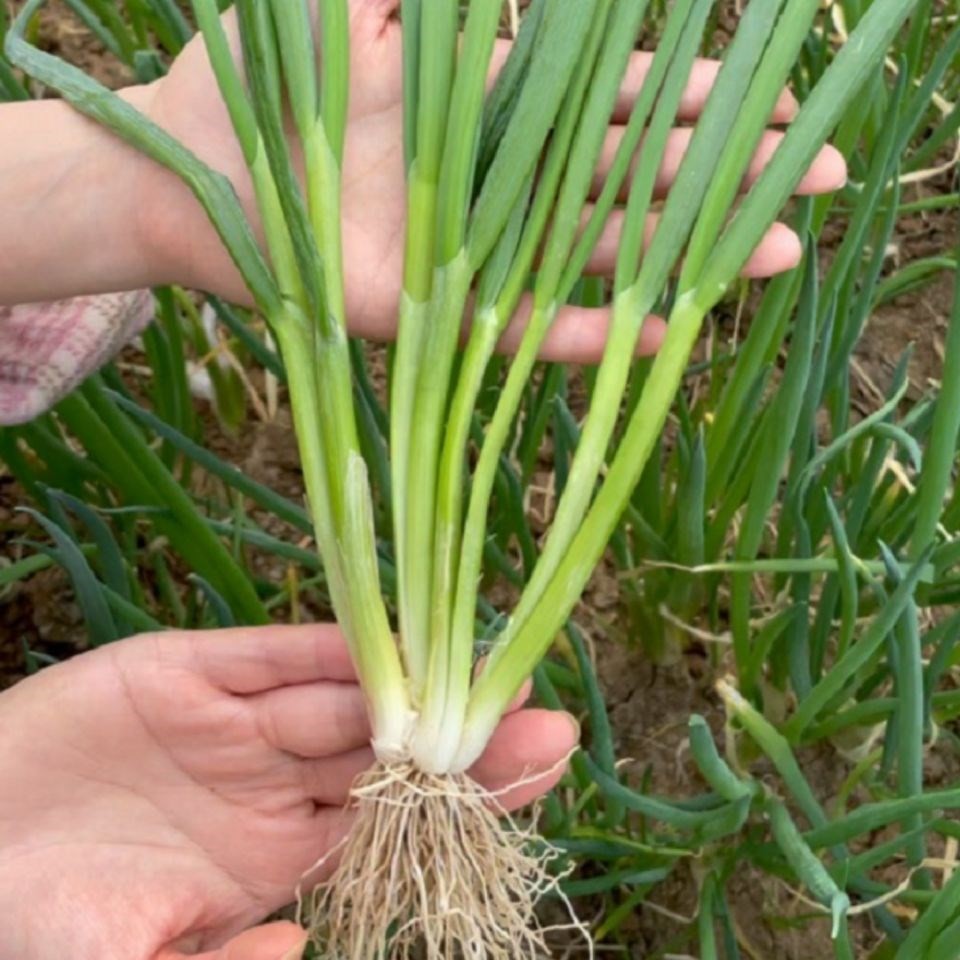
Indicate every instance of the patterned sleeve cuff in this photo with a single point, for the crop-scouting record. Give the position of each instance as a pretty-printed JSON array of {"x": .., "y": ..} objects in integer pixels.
[{"x": 48, "y": 349}]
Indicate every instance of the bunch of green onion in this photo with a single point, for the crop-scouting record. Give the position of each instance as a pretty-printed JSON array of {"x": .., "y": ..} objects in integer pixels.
[{"x": 496, "y": 185}]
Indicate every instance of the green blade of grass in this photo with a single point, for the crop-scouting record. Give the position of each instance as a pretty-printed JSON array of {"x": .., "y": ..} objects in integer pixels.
[
  {"x": 142, "y": 476},
  {"x": 859, "y": 654},
  {"x": 777, "y": 748},
  {"x": 236, "y": 479},
  {"x": 712, "y": 766},
  {"x": 908, "y": 676},
  {"x": 502, "y": 100},
  {"x": 109, "y": 554},
  {"x": 780, "y": 424},
  {"x": 941, "y": 911},
  {"x": 263, "y": 74},
  {"x": 410, "y": 13},
  {"x": 941, "y": 448},
  {"x": 335, "y": 66},
  {"x": 457, "y": 172},
  {"x": 220, "y": 608},
  {"x": 806, "y": 865},
  {"x": 96, "y": 612},
  {"x": 116, "y": 43}
]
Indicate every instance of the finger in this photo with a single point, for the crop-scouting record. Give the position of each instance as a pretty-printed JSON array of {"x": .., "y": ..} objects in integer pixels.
[
  {"x": 313, "y": 719},
  {"x": 308, "y": 853},
  {"x": 274, "y": 941},
  {"x": 780, "y": 249},
  {"x": 528, "y": 749},
  {"x": 249, "y": 660},
  {"x": 328, "y": 781},
  {"x": 517, "y": 703},
  {"x": 694, "y": 97},
  {"x": 520, "y": 699},
  {"x": 828, "y": 171},
  {"x": 578, "y": 335}
]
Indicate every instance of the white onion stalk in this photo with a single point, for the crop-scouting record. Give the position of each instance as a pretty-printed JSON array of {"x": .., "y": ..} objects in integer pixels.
[{"x": 493, "y": 181}]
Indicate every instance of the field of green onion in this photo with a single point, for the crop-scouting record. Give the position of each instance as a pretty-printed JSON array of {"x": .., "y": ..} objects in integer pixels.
[{"x": 765, "y": 663}]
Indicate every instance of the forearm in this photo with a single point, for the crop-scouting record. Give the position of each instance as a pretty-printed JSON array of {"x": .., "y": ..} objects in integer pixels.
[{"x": 68, "y": 205}]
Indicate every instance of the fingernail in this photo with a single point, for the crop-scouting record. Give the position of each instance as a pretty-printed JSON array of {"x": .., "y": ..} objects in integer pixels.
[{"x": 575, "y": 723}]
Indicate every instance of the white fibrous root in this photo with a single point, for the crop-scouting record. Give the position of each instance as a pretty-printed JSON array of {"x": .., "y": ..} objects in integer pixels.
[{"x": 433, "y": 868}]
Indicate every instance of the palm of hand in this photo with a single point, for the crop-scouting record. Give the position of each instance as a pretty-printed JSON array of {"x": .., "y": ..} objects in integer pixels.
[
  {"x": 171, "y": 791},
  {"x": 188, "y": 105}
]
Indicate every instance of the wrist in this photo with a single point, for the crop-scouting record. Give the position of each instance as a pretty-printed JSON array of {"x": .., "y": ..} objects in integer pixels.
[
  {"x": 140, "y": 190},
  {"x": 160, "y": 232},
  {"x": 174, "y": 234},
  {"x": 69, "y": 192}
]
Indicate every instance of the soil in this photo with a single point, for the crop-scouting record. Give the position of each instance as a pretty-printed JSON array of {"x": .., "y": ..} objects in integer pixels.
[
  {"x": 649, "y": 706},
  {"x": 920, "y": 318},
  {"x": 61, "y": 33}
]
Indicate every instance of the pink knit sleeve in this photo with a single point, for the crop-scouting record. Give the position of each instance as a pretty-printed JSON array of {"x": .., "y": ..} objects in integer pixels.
[{"x": 47, "y": 349}]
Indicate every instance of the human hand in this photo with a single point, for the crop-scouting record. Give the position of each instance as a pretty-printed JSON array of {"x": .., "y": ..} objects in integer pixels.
[
  {"x": 172, "y": 790},
  {"x": 188, "y": 105}
]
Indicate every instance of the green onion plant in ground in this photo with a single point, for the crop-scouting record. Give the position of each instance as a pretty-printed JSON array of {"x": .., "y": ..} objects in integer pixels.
[{"x": 478, "y": 218}]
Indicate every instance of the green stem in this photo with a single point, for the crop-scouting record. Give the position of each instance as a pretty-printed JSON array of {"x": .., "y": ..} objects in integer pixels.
[
  {"x": 455, "y": 584},
  {"x": 940, "y": 455},
  {"x": 510, "y": 663},
  {"x": 451, "y": 674},
  {"x": 463, "y": 130},
  {"x": 412, "y": 322},
  {"x": 448, "y": 676},
  {"x": 630, "y": 308}
]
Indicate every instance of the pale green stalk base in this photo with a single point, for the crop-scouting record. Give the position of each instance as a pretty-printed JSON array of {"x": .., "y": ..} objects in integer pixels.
[
  {"x": 411, "y": 325},
  {"x": 451, "y": 286},
  {"x": 348, "y": 554},
  {"x": 437, "y": 737}
]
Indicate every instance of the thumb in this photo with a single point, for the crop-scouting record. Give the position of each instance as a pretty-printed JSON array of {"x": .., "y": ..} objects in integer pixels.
[{"x": 274, "y": 941}]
